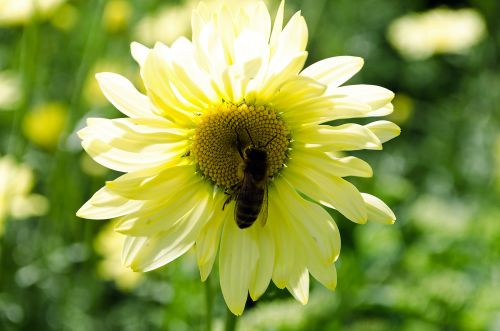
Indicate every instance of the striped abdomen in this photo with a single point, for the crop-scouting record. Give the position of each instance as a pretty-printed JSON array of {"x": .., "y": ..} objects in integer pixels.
[{"x": 249, "y": 202}]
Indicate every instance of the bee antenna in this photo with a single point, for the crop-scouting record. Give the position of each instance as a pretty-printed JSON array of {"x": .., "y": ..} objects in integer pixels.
[
  {"x": 270, "y": 140},
  {"x": 246, "y": 129}
]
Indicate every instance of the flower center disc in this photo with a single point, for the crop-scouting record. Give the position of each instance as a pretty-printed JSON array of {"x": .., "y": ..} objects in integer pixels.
[{"x": 216, "y": 148}]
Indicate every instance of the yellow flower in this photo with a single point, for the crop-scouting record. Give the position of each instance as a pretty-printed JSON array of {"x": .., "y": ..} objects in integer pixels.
[
  {"x": 117, "y": 14},
  {"x": 237, "y": 91},
  {"x": 65, "y": 17},
  {"x": 44, "y": 125},
  {"x": 18, "y": 12},
  {"x": 108, "y": 243},
  {"x": 404, "y": 106},
  {"x": 16, "y": 182},
  {"x": 420, "y": 35}
]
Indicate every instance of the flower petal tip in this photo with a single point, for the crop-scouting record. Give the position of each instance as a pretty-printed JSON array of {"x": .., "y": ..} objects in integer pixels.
[
  {"x": 237, "y": 311},
  {"x": 81, "y": 212},
  {"x": 85, "y": 211}
]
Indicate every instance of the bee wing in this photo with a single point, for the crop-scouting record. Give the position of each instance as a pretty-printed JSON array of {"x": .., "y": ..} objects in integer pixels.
[{"x": 262, "y": 218}]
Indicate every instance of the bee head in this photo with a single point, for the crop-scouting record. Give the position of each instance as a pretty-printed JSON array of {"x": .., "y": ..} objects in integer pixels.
[{"x": 253, "y": 153}]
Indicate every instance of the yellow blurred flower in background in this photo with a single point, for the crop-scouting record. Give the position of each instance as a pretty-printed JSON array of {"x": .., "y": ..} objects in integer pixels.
[
  {"x": 18, "y": 12},
  {"x": 65, "y": 17},
  {"x": 420, "y": 35},
  {"x": 117, "y": 14},
  {"x": 403, "y": 108},
  {"x": 10, "y": 90},
  {"x": 45, "y": 123},
  {"x": 109, "y": 244},
  {"x": 16, "y": 182}
]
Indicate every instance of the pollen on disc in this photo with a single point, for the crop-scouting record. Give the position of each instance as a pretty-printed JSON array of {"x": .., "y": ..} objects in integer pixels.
[{"x": 225, "y": 130}]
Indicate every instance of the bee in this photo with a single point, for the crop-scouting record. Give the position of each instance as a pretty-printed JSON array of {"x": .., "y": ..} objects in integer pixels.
[{"x": 251, "y": 193}]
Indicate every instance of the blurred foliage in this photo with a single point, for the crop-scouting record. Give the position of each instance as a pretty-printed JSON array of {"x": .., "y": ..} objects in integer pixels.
[{"x": 437, "y": 268}]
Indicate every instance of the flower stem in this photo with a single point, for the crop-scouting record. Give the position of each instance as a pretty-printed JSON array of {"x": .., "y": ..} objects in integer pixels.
[
  {"x": 208, "y": 304},
  {"x": 231, "y": 320}
]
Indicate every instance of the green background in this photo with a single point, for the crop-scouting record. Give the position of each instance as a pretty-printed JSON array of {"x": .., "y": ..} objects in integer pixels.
[{"x": 436, "y": 268}]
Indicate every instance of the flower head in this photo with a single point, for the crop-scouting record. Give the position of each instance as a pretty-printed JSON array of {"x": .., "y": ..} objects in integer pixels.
[
  {"x": 19, "y": 12},
  {"x": 45, "y": 123},
  {"x": 229, "y": 130},
  {"x": 16, "y": 182},
  {"x": 108, "y": 243},
  {"x": 420, "y": 35},
  {"x": 10, "y": 90},
  {"x": 117, "y": 15}
]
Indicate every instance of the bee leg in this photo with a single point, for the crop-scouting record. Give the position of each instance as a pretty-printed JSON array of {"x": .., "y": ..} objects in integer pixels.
[
  {"x": 232, "y": 192},
  {"x": 228, "y": 200}
]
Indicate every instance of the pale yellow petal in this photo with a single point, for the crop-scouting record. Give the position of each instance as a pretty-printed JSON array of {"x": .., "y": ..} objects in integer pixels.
[
  {"x": 313, "y": 225},
  {"x": 334, "y": 71},
  {"x": 237, "y": 259},
  {"x": 382, "y": 111},
  {"x": 260, "y": 19},
  {"x": 326, "y": 274},
  {"x": 316, "y": 232},
  {"x": 128, "y": 144},
  {"x": 248, "y": 46},
  {"x": 131, "y": 247},
  {"x": 144, "y": 187},
  {"x": 210, "y": 52},
  {"x": 377, "y": 210},
  {"x": 292, "y": 93},
  {"x": 124, "y": 96},
  {"x": 226, "y": 30},
  {"x": 166, "y": 246},
  {"x": 182, "y": 89},
  {"x": 292, "y": 40},
  {"x": 372, "y": 95},
  {"x": 298, "y": 285},
  {"x": 139, "y": 52},
  {"x": 280, "y": 73},
  {"x": 331, "y": 164},
  {"x": 278, "y": 24},
  {"x": 170, "y": 104},
  {"x": 346, "y": 137},
  {"x": 236, "y": 78},
  {"x": 290, "y": 268},
  {"x": 105, "y": 205},
  {"x": 265, "y": 263},
  {"x": 208, "y": 241},
  {"x": 329, "y": 190},
  {"x": 170, "y": 209},
  {"x": 384, "y": 130},
  {"x": 193, "y": 83},
  {"x": 279, "y": 226}
]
